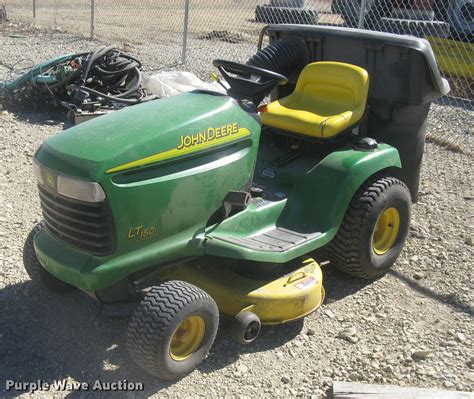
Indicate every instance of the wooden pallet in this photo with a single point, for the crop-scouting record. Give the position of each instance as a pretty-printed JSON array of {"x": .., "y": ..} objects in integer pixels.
[{"x": 350, "y": 390}]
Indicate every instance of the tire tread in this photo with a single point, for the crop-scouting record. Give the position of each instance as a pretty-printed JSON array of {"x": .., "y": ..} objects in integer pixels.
[
  {"x": 152, "y": 317},
  {"x": 30, "y": 261},
  {"x": 343, "y": 250},
  {"x": 35, "y": 270}
]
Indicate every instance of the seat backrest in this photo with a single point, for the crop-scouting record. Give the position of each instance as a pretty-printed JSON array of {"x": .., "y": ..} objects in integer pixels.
[{"x": 341, "y": 85}]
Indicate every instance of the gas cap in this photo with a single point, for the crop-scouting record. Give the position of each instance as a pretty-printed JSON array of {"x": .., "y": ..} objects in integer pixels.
[{"x": 366, "y": 144}]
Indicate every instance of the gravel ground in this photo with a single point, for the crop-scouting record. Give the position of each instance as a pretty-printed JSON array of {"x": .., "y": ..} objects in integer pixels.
[{"x": 413, "y": 327}]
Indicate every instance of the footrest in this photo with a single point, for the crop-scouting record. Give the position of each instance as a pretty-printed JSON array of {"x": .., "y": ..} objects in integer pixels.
[{"x": 279, "y": 239}]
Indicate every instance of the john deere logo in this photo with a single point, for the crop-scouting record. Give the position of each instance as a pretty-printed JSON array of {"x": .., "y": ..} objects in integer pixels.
[{"x": 50, "y": 180}]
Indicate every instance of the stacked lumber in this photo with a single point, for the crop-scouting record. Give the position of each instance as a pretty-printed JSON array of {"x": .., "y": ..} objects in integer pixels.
[{"x": 351, "y": 390}]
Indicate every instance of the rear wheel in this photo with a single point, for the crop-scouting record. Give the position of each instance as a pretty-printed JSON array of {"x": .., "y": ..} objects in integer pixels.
[
  {"x": 33, "y": 267},
  {"x": 374, "y": 229},
  {"x": 172, "y": 329}
]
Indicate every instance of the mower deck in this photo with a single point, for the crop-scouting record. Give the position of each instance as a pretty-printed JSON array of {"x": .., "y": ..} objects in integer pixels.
[{"x": 274, "y": 299}]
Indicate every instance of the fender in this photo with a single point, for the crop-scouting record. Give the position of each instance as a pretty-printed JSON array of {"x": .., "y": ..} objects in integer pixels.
[
  {"x": 317, "y": 202},
  {"x": 341, "y": 173}
]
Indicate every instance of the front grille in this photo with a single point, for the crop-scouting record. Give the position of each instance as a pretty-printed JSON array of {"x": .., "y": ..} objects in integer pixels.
[{"x": 86, "y": 226}]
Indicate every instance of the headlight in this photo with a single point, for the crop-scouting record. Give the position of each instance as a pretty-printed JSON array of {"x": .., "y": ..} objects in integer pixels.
[
  {"x": 37, "y": 171},
  {"x": 81, "y": 190},
  {"x": 68, "y": 186}
]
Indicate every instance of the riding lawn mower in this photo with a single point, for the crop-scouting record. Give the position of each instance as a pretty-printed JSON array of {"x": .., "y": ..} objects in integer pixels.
[{"x": 207, "y": 204}]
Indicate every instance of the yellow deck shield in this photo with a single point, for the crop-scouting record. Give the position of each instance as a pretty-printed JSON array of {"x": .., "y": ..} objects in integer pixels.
[{"x": 287, "y": 298}]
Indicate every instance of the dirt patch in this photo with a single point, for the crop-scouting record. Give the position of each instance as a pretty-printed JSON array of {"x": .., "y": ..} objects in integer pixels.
[{"x": 223, "y": 36}]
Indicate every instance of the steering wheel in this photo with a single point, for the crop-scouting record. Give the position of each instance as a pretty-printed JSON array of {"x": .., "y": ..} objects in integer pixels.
[{"x": 247, "y": 81}]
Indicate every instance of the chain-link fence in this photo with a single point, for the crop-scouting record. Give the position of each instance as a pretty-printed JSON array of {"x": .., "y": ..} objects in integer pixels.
[
  {"x": 193, "y": 32},
  {"x": 189, "y": 34}
]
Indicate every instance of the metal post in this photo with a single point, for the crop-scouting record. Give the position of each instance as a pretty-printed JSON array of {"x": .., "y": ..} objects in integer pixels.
[
  {"x": 185, "y": 31},
  {"x": 34, "y": 11},
  {"x": 92, "y": 19},
  {"x": 363, "y": 5},
  {"x": 56, "y": 14}
]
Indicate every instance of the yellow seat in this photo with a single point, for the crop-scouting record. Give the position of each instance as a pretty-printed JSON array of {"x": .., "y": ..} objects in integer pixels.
[{"x": 329, "y": 97}]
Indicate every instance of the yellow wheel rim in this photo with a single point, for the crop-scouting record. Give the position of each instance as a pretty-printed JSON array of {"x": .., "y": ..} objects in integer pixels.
[
  {"x": 187, "y": 338},
  {"x": 386, "y": 231}
]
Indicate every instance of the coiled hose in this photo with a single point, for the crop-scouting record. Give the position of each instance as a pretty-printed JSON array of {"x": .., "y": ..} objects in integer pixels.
[
  {"x": 111, "y": 74},
  {"x": 284, "y": 56},
  {"x": 103, "y": 77}
]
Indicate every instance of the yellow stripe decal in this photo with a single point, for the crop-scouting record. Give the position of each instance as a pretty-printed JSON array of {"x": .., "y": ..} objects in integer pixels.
[{"x": 177, "y": 152}]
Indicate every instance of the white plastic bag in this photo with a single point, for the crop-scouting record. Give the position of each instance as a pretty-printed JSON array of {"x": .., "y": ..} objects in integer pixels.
[{"x": 167, "y": 84}]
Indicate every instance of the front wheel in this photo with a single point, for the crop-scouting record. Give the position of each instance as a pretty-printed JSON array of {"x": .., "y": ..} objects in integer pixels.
[
  {"x": 172, "y": 329},
  {"x": 34, "y": 269},
  {"x": 374, "y": 229}
]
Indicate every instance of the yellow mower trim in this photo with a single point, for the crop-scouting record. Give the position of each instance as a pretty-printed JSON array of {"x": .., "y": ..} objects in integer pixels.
[
  {"x": 274, "y": 301},
  {"x": 181, "y": 150}
]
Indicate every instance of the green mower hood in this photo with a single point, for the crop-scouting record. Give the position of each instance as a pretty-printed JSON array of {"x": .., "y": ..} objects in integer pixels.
[
  {"x": 146, "y": 134},
  {"x": 164, "y": 168}
]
